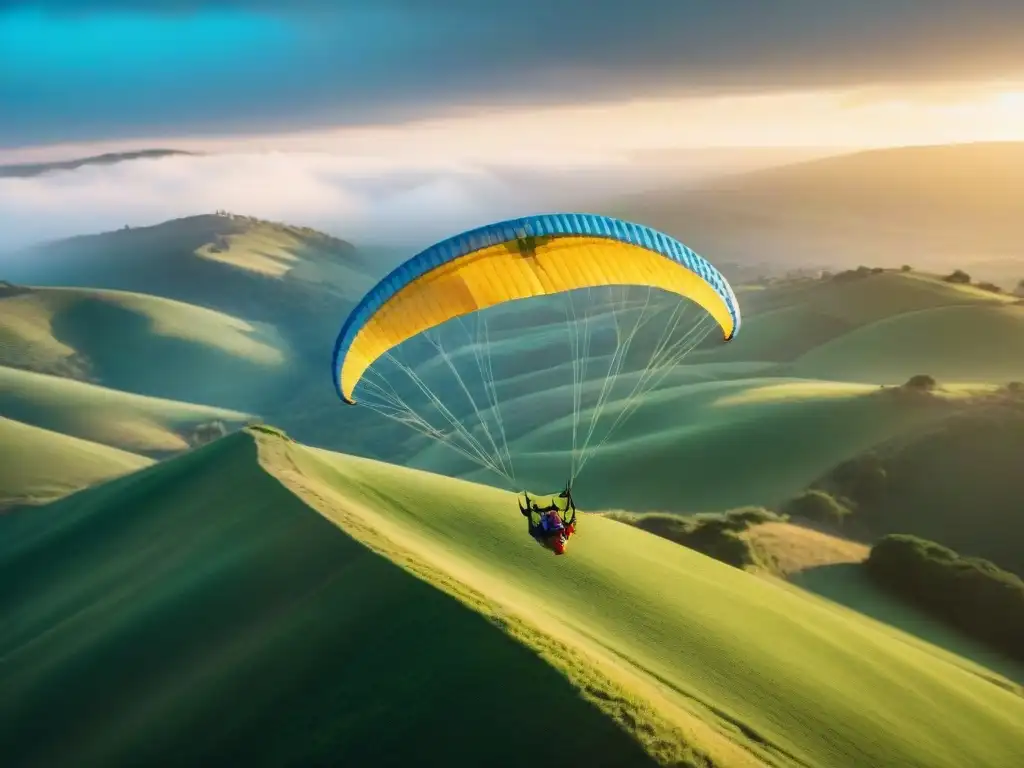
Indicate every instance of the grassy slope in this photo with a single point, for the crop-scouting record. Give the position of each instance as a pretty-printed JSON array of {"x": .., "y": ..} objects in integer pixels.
[
  {"x": 139, "y": 343},
  {"x": 717, "y": 445},
  {"x": 722, "y": 653},
  {"x": 959, "y": 343},
  {"x": 119, "y": 419},
  {"x": 847, "y": 585},
  {"x": 292, "y": 285},
  {"x": 788, "y": 549},
  {"x": 238, "y": 265},
  {"x": 199, "y": 613},
  {"x": 37, "y": 465}
]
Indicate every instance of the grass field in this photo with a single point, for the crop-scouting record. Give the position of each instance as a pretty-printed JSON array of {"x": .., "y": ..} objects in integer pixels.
[
  {"x": 140, "y": 343},
  {"x": 199, "y": 613},
  {"x": 955, "y": 343},
  {"x": 131, "y": 422},
  {"x": 37, "y": 465},
  {"x": 202, "y": 588},
  {"x": 36, "y": 324},
  {"x": 789, "y": 550},
  {"x": 625, "y": 597}
]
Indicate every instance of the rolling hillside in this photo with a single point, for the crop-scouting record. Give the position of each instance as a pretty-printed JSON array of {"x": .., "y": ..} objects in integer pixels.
[
  {"x": 711, "y": 437},
  {"x": 935, "y": 207},
  {"x": 137, "y": 423},
  {"x": 235, "y": 264},
  {"x": 38, "y": 465},
  {"x": 141, "y": 343},
  {"x": 300, "y": 640},
  {"x": 241, "y": 314}
]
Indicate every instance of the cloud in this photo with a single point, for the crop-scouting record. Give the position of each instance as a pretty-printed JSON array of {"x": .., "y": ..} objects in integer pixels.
[
  {"x": 357, "y": 198},
  {"x": 77, "y": 70},
  {"x": 411, "y": 183}
]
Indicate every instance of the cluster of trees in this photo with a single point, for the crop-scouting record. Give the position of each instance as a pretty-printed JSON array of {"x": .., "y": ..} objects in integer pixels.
[
  {"x": 858, "y": 273},
  {"x": 971, "y": 594},
  {"x": 716, "y": 535},
  {"x": 962, "y": 278},
  {"x": 819, "y": 506}
]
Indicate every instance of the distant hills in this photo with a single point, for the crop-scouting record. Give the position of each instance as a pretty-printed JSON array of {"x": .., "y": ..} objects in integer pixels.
[
  {"x": 930, "y": 206},
  {"x": 26, "y": 170}
]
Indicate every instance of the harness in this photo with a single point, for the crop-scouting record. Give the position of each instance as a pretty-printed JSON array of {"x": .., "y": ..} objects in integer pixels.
[{"x": 566, "y": 517}]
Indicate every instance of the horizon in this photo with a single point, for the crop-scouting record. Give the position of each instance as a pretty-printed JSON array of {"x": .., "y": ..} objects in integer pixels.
[{"x": 368, "y": 122}]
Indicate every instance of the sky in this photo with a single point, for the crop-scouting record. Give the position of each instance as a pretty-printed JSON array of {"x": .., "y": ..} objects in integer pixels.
[{"x": 386, "y": 107}]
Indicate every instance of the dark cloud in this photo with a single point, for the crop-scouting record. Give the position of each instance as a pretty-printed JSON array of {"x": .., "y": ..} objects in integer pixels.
[{"x": 167, "y": 66}]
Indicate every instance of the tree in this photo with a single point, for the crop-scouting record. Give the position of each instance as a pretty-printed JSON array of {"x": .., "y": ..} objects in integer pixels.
[
  {"x": 971, "y": 594},
  {"x": 817, "y": 505},
  {"x": 922, "y": 382},
  {"x": 906, "y": 268},
  {"x": 958, "y": 276}
]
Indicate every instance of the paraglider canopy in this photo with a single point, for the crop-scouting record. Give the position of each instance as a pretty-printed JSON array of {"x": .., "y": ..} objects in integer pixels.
[
  {"x": 518, "y": 259},
  {"x": 530, "y": 261}
]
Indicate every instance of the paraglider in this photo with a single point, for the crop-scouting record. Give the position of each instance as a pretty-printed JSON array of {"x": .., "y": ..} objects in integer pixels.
[
  {"x": 552, "y": 524},
  {"x": 519, "y": 261}
]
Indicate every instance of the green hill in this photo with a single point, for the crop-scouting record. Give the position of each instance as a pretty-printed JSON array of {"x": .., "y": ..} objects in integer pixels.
[
  {"x": 955, "y": 343},
  {"x": 136, "y": 423},
  {"x": 236, "y": 264},
  {"x": 697, "y": 443},
  {"x": 198, "y": 613},
  {"x": 140, "y": 343},
  {"x": 715, "y": 445},
  {"x": 37, "y": 465},
  {"x": 268, "y": 284},
  {"x": 252, "y": 631}
]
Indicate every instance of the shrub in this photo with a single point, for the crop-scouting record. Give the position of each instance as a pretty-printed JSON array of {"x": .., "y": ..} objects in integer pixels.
[
  {"x": 922, "y": 382},
  {"x": 817, "y": 505},
  {"x": 716, "y": 535},
  {"x": 958, "y": 276},
  {"x": 906, "y": 268},
  {"x": 744, "y": 517},
  {"x": 854, "y": 274},
  {"x": 971, "y": 594},
  {"x": 990, "y": 287}
]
